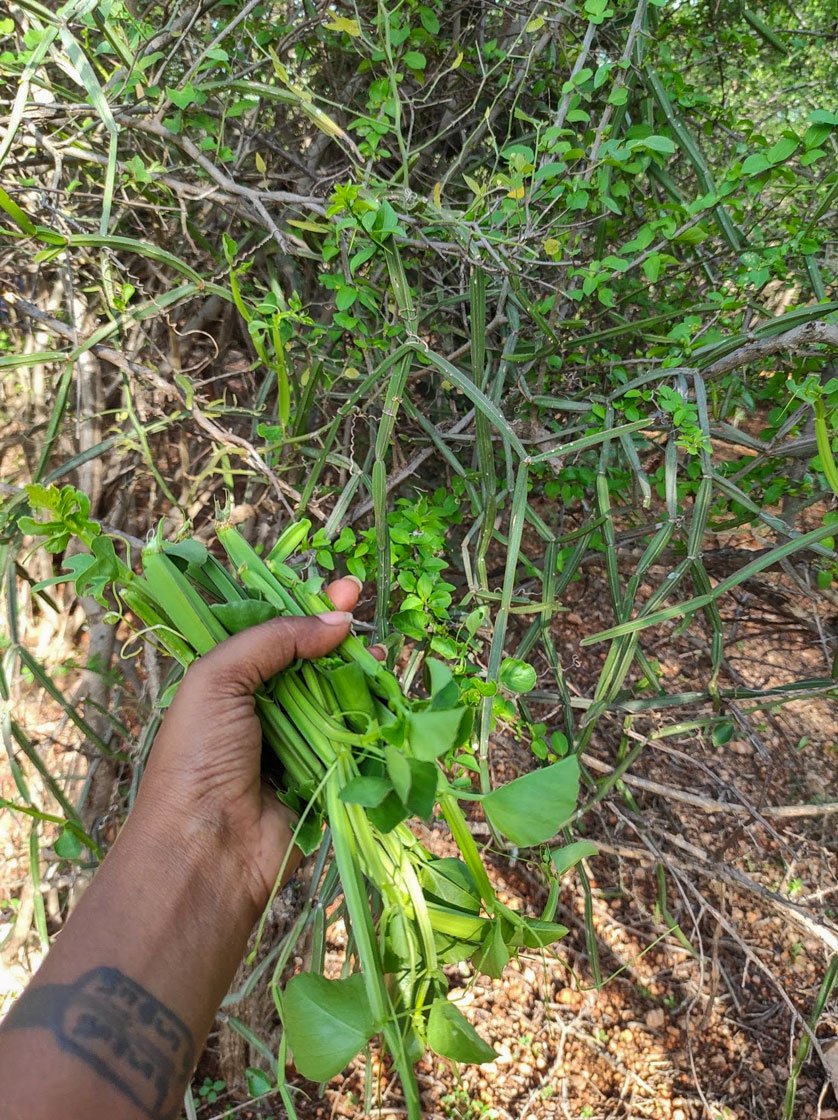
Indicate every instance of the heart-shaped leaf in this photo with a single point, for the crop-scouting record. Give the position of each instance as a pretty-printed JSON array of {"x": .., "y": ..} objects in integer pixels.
[
  {"x": 398, "y": 770},
  {"x": 441, "y": 684},
  {"x": 493, "y": 955},
  {"x": 424, "y": 777},
  {"x": 437, "y": 674},
  {"x": 368, "y": 792},
  {"x": 450, "y": 881},
  {"x": 452, "y": 1035},
  {"x": 242, "y": 614},
  {"x": 258, "y": 1083},
  {"x": 531, "y": 809},
  {"x": 67, "y": 845},
  {"x": 517, "y": 675},
  {"x": 327, "y": 1022},
  {"x": 388, "y": 814},
  {"x": 434, "y": 733},
  {"x": 565, "y": 858}
]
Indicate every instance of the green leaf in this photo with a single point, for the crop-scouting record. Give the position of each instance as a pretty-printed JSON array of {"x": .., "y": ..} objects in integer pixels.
[
  {"x": 654, "y": 144},
  {"x": 780, "y": 152},
  {"x": 597, "y": 10},
  {"x": 446, "y": 698},
  {"x": 438, "y": 675},
  {"x": 192, "y": 551},
  {"x": 723, "y": 733},
  {"x": 349, "y": 26},
  {"x": 366, "y": 791},
  {"x": 182, "y": 98},
  {"x": 517, "y": 675},
  {"x": 308, "y": 833},
  {"x": 16, "y": 213},
  {"x": 451, "y": 1035},
  {"x": 388, "y": 814},
  {"x": 393, "y": 729},
  {"x": 327, "y": 1022},
  {"x": 652, "y": 267},
  {"x": 399, "y": 771},
  {"x": 755, "y": 164},
  {"x": 536, "y": 933},
  {"x": 493, "y": 955},
  {"x": 602, "y": 72},
  {"x": 258, "y": 1083},
  {"x": 531, "y": 809},
  {"x": 424, "y": 777},
  {"x": 44, "y": 497},
  {"x": 450, "y": 881},
  {"x": 476, "y": 619},
  {"x": 68, "y": 845},
  {"x": 434, "y": 733},
  {"x": 362, "y": 256},
  {"x": 242, "y": 614},
  {"x": 415, "y": 60},
  {"x": 565, "y": 858},
  {"x": 345, "y": 297},
  {"x": 429, "y": 20}
]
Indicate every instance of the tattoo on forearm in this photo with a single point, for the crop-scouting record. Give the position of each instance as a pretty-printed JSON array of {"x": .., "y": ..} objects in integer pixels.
[{"x": 120, "y": 1030}]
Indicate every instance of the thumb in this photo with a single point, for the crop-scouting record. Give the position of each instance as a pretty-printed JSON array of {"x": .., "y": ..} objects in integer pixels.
[{"x": 239, "y": 665}]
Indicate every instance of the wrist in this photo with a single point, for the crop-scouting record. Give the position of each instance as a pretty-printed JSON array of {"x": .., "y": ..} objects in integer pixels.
[{"x": 201, "y": 850}]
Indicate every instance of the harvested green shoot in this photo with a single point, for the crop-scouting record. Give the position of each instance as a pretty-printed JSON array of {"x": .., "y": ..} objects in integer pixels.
[{"x": 360, "y": 759}]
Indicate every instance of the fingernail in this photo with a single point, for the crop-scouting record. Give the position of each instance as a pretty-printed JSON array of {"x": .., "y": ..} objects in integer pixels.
[
  {"x": 356, "y": 581},
  {"x": 335, "y": 618}
]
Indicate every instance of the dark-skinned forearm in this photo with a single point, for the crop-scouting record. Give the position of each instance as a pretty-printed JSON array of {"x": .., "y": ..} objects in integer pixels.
[{"x": 113, "y": 1022}]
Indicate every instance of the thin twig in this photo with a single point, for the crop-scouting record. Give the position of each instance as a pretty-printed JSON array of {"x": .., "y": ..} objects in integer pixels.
[
  {"x": 786, "y": 812},
  {"x": 800, "y": 338}
]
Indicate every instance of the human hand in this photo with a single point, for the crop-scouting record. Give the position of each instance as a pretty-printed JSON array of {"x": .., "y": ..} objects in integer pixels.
[{"x": 203, "y": 785}]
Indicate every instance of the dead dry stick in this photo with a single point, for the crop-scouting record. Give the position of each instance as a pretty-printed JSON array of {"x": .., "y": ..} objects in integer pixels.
[
  {"x": 283, "y": 490},
  {"x": 221, "y": 436},
  {"x": 695, "y": 859},
  {"x": 800, "y": 338},
  {"x": 707, "y": 804},
  {"x": 654, "y": 854},
  {"x": 105, "y": 353}
]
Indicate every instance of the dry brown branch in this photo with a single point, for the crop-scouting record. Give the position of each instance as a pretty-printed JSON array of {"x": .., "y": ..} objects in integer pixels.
[
  {"x": 66, "y": 331},
  {"x": 801, "y": 338},
  {"x": 785, "y": 812},
  {"x": 282, "y": 489},
  {"x": 654, "y": 854},
  {"x": 288, "y": 242},
  {"x": 693, "y": 858}
]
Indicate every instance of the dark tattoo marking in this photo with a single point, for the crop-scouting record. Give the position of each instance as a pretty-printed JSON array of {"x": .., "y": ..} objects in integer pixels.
[{"x": 120, "y": 1030}]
